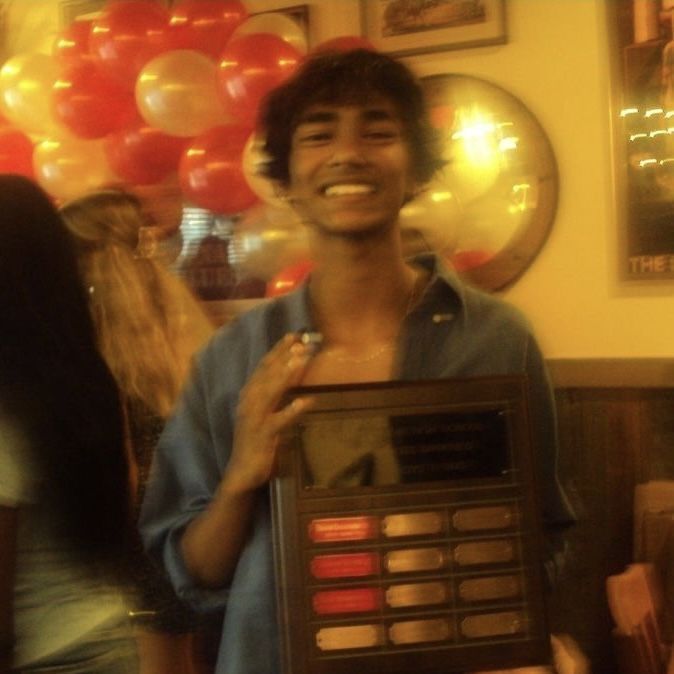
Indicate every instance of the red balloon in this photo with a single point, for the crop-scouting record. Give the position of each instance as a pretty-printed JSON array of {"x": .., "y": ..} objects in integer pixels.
[
  {"x": 205, "y": 25},
  {"x": 211, "y": 172},
  {"x": 342, "y": 44},
  {"x": 72, "y": 45},
  {"x": 91, "y": 103},
  {"x": 128, "y": 34},
  {"x": 250, "y": 67},
  {"x": 143, "y": 155},
  {"x": 289, "y": 278},
  {"x": 464, "y": 260},
  {"x": 16, "y": 152}
]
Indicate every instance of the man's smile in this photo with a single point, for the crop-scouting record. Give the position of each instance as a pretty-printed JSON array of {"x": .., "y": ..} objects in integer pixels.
[{"x": 348, "y": 189}]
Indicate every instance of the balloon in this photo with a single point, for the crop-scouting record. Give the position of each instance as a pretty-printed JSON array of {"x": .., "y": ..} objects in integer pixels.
[
  {"x": 16, "y": 152},
  {"x": 343, "y": 43},
  {"x": 90, "y": 103},
  {"x": 127, "y": 35},
  {"x": 177, "y": 92},
  {"x": 253, "y": 159},
  {"x": 26, "y": 83},
  {"x": 72, "y": 45},
  {"x": 251, "y": 66},
  {"x": 205, "y": 25},
  {"x": 70, "y": 167},
  {"x": 143, "y": 155},
  {"x": 289, "y": 278},
  {"x": 463, "y": 260},
  {"x": 266, "y": 240},
  {"x": 210, "y": 170},
  {"x": 278, "y": 24}
]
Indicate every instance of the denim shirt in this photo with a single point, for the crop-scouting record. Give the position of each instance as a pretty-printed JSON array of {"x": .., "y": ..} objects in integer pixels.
[{"x": 454, "y": 331}]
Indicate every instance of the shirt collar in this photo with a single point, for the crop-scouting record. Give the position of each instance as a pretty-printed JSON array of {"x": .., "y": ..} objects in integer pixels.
[{"x": 444, "y": 295}]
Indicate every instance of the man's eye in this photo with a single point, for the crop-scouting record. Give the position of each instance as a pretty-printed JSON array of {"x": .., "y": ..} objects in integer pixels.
[
  {"x": 381, "y": 135},
  {"x": 314, "y": 137}
]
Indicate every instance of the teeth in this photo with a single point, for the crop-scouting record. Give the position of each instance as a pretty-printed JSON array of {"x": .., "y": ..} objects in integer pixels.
[{"x": 345, "y": 190}]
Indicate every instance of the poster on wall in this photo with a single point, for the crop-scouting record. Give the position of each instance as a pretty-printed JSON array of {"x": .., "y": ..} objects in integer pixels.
[{"x": 645, "y": 44}]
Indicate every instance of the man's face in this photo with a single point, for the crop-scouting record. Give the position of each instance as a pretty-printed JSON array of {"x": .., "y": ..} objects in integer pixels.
[{"x": 350, "y": 167}]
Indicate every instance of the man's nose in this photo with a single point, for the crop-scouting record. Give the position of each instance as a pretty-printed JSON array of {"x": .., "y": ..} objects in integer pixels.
[{"x": 347, "y": 149}]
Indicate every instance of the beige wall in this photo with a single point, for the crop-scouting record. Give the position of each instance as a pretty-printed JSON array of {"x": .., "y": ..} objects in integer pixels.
[{"x": 556, "y": 61}]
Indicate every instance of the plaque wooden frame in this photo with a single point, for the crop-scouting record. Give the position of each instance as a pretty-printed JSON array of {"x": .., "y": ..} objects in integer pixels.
[{"x": 334, "y": 525}]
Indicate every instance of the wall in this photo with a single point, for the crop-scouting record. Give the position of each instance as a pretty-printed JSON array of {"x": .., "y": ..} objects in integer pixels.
[{"x": 556, "y": 61}]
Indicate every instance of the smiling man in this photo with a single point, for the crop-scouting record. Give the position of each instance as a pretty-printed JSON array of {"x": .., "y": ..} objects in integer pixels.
[{"x": 349, "y": 143}]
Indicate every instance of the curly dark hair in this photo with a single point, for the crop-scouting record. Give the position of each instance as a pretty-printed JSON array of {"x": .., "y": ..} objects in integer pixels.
[{"x": 344, "y": 78}]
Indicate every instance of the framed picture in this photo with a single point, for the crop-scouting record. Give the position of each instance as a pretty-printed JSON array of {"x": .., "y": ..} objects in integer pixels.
[
  {"x": 406, "y": 27},
  {"x": 642, "y": 53}
]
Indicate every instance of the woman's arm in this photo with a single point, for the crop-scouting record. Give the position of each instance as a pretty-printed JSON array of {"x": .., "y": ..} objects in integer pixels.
[{"x": 8, "y": 529}]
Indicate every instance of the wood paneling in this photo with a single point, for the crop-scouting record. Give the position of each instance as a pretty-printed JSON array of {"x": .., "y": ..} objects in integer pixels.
[{"x": 611, "y": 438}]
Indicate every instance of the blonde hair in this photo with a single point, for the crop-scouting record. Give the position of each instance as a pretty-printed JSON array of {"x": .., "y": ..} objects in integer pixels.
[{"x": 149, "y": 324}]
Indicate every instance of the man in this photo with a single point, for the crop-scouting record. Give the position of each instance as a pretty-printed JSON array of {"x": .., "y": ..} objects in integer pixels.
[{"x": 349, "y": 143}]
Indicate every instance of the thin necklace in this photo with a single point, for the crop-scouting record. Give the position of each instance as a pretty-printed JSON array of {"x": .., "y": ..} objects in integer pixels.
[{"x": 391, "y": 343}]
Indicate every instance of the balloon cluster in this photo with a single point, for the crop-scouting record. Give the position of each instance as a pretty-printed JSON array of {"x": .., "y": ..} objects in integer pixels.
[
  {"x": 144, "y": 96},
  {"x": 138, "y": 93}
]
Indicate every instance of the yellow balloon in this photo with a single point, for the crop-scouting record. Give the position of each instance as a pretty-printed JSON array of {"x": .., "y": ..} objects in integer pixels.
[
  {"x": 26, "y": 83},
  {"x": 69, "y": 167},
  {"x": 278, "y": 24},
  {"x": 177, "y": 93},
  {"x": 267, "y": 240}
]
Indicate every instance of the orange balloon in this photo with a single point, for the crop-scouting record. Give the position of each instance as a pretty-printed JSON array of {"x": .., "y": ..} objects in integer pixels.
[
  {"x": 16, "y": 152},
  {"x": 289, "y": 278},
  {"x": 210, "y": 170},
  {"x": 205, "y": 25},
  {"x": 72, "y": 45},
  {"x": 251, "y": 66},
  {"x": 128, "y": 34}
]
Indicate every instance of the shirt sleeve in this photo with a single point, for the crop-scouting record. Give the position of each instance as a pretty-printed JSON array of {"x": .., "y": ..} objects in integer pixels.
[
  {"x": 556, "y": 508},
  {"x": 185, "y": 473}
]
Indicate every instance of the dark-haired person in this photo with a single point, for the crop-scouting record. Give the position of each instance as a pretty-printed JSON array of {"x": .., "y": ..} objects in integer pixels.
[
  {"x": 349, "y": 143},
  {"x": 65, "y": 502}
]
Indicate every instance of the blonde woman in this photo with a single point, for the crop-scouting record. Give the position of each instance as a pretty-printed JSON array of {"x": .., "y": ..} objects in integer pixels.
[{"x": 149, "y": 326}]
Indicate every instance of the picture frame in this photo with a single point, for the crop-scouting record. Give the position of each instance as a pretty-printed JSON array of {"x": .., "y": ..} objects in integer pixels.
[
  {"x": 641, "y": 49},
  {"x": 408, "y": 27}
]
